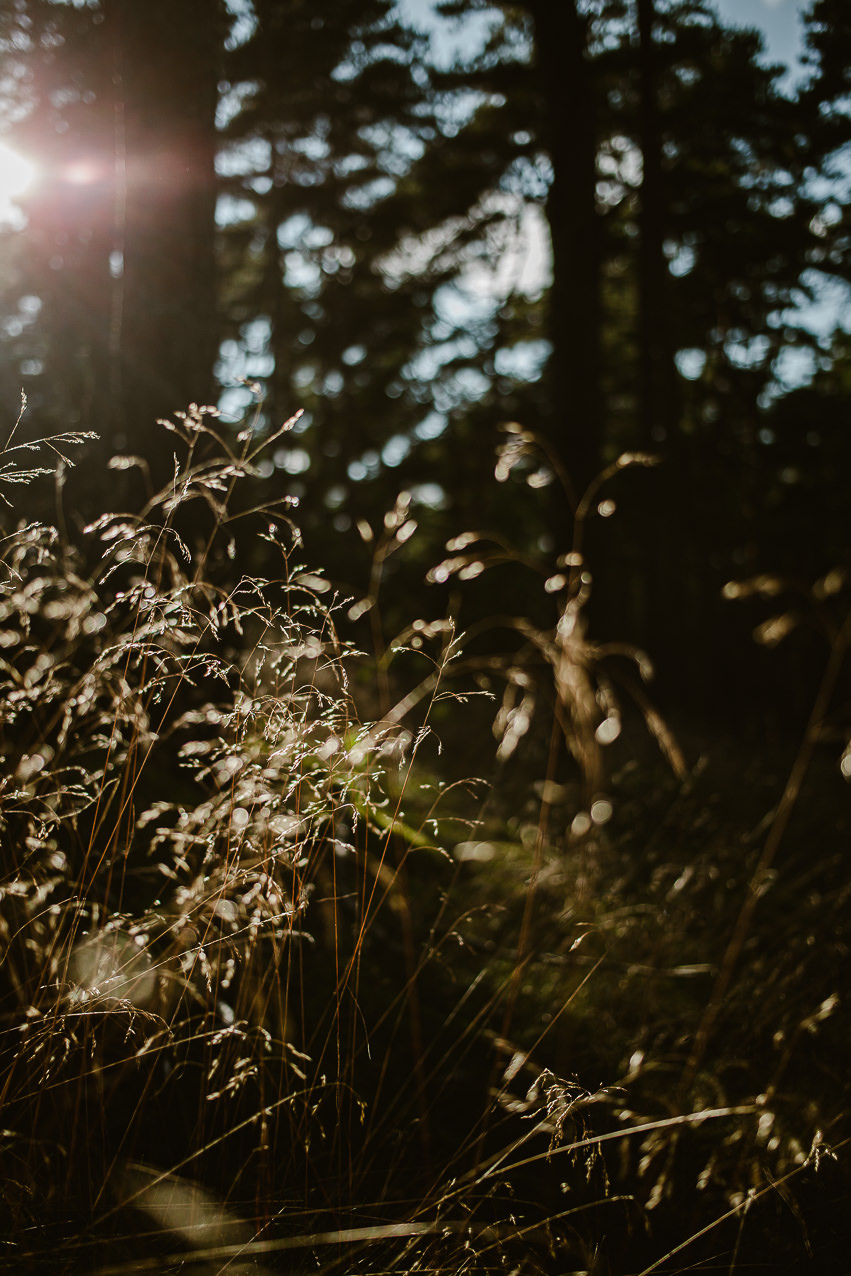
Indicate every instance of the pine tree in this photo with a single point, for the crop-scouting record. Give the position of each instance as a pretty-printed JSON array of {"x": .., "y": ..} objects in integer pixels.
[
  {"x": 316, "y": 143},
  {"x": 374, "y": 206},
  {"x": 120, "y": 104}
]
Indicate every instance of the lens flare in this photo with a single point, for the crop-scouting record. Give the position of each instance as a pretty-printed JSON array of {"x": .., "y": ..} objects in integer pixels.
[{"x": 16, "y": 175}]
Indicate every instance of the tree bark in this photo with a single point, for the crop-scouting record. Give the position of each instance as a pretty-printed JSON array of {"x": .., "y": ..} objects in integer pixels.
[
  {"x": 656, "y": 409},
  {"x": 561, "y": 38},
  {"x": 163, "y": 330}
]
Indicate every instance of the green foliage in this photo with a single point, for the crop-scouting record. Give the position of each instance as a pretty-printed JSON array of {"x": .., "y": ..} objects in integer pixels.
[{"x": 404, "y": 219}]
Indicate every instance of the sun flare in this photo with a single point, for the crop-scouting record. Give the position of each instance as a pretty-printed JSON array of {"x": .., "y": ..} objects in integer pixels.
[{"x": 16, "y": 174}]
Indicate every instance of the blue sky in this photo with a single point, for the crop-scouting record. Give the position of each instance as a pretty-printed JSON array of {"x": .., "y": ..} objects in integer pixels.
[
  {"x": 779, "y": 21},
  {"x": 781, "y": 24}
]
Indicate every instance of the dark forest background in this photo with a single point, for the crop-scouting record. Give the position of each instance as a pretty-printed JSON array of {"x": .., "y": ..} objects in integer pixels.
[{"x": 597, "y": 220}]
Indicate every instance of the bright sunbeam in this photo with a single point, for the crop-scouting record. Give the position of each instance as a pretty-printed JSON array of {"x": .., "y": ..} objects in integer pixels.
[{"x": 16, "y": 174}]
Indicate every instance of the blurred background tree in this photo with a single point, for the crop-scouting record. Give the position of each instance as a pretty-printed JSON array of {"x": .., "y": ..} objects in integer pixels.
[
  {"x": 418, "y": 220},
  {"x": 117, "y": 277}
]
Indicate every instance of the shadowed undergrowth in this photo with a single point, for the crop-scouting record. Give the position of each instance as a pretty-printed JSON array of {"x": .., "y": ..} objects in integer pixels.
[{"x": 275, "y": 992}]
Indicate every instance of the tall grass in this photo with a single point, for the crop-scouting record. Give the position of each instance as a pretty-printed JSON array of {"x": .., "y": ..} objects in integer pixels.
[{"x": 272, "y": 993}]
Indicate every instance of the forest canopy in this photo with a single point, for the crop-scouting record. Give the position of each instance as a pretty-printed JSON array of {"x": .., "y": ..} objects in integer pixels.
[{"x": 416, "y": 222}]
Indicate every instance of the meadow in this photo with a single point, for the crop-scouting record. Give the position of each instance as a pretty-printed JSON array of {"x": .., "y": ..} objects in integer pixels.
[{"x": 327, "y": 950}]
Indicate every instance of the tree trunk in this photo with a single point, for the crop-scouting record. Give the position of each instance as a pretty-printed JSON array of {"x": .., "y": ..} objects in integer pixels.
[
  {"x": 561, "y": 34},
  {"x": 163, "y": 330},
  {"x": 656, "y": 409}
]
